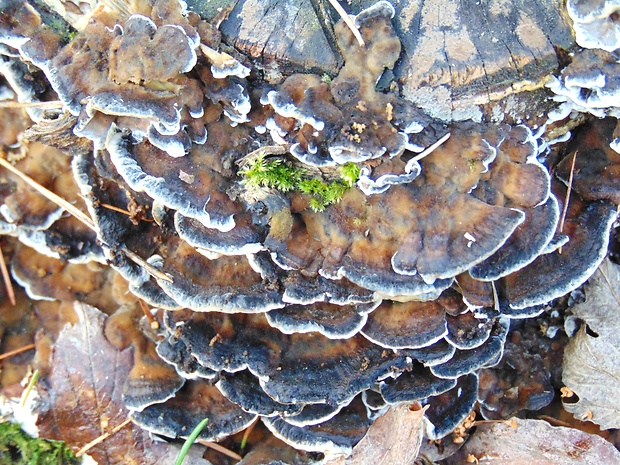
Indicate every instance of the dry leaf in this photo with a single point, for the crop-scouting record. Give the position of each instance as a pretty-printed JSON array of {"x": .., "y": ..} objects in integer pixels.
[
  {"x": 591, "y": 366},
  {"x": 534, "y": 442},
  {"x": 82, "y": 397},
  {"x": 394, "y": 438}
]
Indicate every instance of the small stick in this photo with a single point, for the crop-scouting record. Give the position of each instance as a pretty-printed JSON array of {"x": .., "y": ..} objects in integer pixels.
[
  {"x": 116, "y": 209},
  {"x": 17, "y": 351},
  {"x": 50, "y": 195},
  {"x": 10, "y": 292},
  {"x": 567, "y": 199},
  {"x": 101, "y": 438},
  {"x": 55, "y": 104},
  {"x": 554, "y": 421},
  {"x": 261, "y": 153},
  {"x": 33, "y": 380},
  {"x": 495, "y": 297},
  {"x": 138, "y": 260},
  {"x": 247, "y": 432},
  {"x": 431, "y": 148},
  {"x": 81, "y": 217},
  {"x": 221, "y": 449},
  {"x": 149, "y": 316},
  {"x": 120, "y": 210},
  {"x": 348, "y": 21}
]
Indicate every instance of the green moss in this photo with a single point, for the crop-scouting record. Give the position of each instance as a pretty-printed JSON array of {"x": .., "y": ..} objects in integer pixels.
[
  {"x": 277, "y": 174},
  {"x": 18, "y": 448},
  {"x": 350, "y": 173},
  {"x": 61, "y": 27}
]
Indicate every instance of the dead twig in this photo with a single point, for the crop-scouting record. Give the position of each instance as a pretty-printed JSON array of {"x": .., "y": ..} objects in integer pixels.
[
  {"x": 17, "y": 351},
  {"x": 348, "y": 21},
  {"x": 8, "y": 284},
  {"x": 221, "y": 449},
  {"x": 567, "y": 199},
  {"x": 53, "y": 105},
  {"x": 247, "y": 432},
  {"x": 430, "y": 149},
  {"x": 82, "y": 217},
  {"x": 101, "y": 438},
  {"x": 149, "y": 316}
]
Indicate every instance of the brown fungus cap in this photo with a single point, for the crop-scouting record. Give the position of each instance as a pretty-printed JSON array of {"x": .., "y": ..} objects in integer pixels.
[
  {"x": 337, "y": 435},
  {"x": 449, "y": 409},
  {"x": 596, "y": 175},
  {"x": 196, "y": 401},
  {"x": 471, "y": 360},
  {"x": 244, "y": 390},
  {"x": 151, "y": 380},
  {"x": 421, "y": 234},
  {"x": 595, "y": 23},
  {"x": 348, "y": 118},
  {"x": 39, "y": 222},
  {"x": 590, "y": 83},
  {"x": 21, "y": 204},
  {"x": 588, "y": 225},
  {"x": 289, "y": 367},
  {"x": 176, "y": 353},
  {"x": 48, "y": 278},
  {"x": 417, "y": 384},
  {"x": 517, "y": 180},
  {"x": 194, "y": 185},
  {"x": 333, "y": 321},
  {"x": 133, "y": 73},
  {"x": 403, "y": 325},
  {"x": 228, "y": 284}
]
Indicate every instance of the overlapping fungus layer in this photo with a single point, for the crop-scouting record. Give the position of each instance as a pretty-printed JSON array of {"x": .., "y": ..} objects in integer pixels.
[{"x": 313, "y": 316}]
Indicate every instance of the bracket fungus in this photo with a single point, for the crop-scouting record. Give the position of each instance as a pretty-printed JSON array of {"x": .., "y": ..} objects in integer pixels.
[
  {"x": 362, "y": 258},
  {"x": 595, "y": 23}
]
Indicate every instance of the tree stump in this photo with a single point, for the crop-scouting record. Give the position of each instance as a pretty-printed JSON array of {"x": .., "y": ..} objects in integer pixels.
[{"x": 461, "y": 60}]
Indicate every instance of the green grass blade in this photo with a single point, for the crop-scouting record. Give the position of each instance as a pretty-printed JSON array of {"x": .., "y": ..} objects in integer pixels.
[{"x": 190, "y": 440}]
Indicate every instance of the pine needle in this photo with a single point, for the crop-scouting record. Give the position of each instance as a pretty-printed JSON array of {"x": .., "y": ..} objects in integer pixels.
[
  {"x": 431, "y": 148},
  {"x": 221, "y": 449},
  {"x": 190, "y": 440},
  {"x": 149, "y": 316},
  {"x": 53, "y": 105},
  {"x": 50, "y": 195},
  {"x": 33, "y": 380},
  {"x": 348, "y": 21},
  {"x": 495, "y": 297},
  {"x": 8, "y": 284},
  {"x": 246, "y": 434},
  {"x": 17, "y": 351},
  {"x": 101, "y": 438},
  {"x": 567, "y": 198},
  {"x": 79, "y": 215}
]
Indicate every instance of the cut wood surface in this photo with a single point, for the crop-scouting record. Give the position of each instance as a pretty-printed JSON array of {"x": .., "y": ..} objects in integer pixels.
[{"x": 456, "y": 54}]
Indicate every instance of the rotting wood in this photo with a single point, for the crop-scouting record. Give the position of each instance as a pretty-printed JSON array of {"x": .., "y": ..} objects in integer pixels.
[{"x": 456, "y": 55}]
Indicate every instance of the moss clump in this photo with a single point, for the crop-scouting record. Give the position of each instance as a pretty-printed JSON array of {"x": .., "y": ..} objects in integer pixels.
[
  {"x": 276, "y": 174},
  {"x": 18, "y": 448}
]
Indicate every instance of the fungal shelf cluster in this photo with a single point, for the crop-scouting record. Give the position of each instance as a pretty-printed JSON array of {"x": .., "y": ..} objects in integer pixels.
[{"x": 379, "y": 259}]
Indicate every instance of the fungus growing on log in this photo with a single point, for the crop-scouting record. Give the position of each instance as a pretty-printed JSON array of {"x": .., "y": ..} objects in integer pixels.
[
  {"x": 296, "y": 232},
  {"x": 590, "y": 83},
  {"x": 348, "y": 119},
  {"x": 595, "y": 23}
]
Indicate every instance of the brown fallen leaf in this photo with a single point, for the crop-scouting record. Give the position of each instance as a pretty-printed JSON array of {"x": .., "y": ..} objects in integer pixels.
[
  {"x": 81, "y": 397},
  {"x": 591, "y": 367},
  {"x": 534, "y": 442},
  {"x": 393, "y": 438}
]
